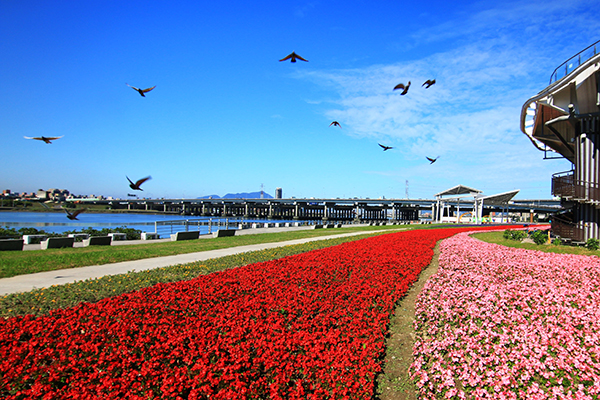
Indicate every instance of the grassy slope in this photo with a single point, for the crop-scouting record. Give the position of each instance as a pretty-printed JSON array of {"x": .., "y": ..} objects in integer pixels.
[{"x": 27, "y": 262}]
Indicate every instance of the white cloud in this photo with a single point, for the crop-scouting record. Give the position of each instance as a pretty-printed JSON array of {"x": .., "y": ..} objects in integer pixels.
[{"x": 470, "y": 117}]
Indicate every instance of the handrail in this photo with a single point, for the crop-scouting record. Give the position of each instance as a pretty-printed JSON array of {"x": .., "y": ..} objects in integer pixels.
[
  {"x": 559, "y": 84},
  {"x": 564, "y": 173},
  {"x": 568, "y": 68}
]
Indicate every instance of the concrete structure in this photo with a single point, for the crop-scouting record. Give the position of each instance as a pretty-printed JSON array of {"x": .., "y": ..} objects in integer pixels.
[
  {"x": 563, "y": 121},
  {"x": 57, "y": 243}
]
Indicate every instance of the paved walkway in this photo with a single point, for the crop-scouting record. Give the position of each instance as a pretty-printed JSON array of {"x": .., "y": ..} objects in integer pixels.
[{"x": 24, "y": 283}]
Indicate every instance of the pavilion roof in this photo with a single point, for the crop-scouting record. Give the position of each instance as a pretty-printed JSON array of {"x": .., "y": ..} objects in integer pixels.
[
  {"x": 457, "y": 190},
  {"x": 500, "y": 198}
]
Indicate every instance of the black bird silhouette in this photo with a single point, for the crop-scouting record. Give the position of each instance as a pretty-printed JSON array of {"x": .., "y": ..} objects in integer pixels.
[
  {"x": 429, "y": 82},
  {"x": 385, "y": 148},
  {"x": 74, "y": 214},
  {"x": 136, "y": 186},
  {"x": 141, "y": 91},
  {"x": 432, "y": 160},
  {"x": 294, "y": 57},
  {"x": 47, "y": 140},
  {"x": 402, "y": 86},
  {"x": 335, "y": 123}
]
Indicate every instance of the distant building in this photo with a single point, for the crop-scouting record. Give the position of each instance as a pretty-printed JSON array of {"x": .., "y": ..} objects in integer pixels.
[
  {"x": 42, "y": 194},
  {"x": 279, "y": 193},
  {"x": 53, "y": 194}
]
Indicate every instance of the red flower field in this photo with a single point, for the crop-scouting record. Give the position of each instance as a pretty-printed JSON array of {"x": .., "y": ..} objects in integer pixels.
[{"x": 306, "y": 326}]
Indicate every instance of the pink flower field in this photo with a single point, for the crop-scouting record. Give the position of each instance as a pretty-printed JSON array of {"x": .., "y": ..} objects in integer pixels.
[{"x": 504, "y": 323}]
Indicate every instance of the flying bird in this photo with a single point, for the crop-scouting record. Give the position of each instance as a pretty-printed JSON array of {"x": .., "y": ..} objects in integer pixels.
[
  {"x": 74, "y": 214},
  {"x": 429, "y": 82},
  {"x": 335, "y": 123},
  {"x": 432, "y": 160},
  {"x": 136, "y": 186},
  {"x": 402, "y": 86},
  {"x": 48, "y": 140},
  {"x": 385, "y": 148},
  {"x": 141, "y": 91},
  {"x": 293, "y": 56}
]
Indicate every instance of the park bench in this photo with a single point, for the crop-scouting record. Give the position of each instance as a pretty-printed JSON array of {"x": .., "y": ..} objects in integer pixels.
[
  {"x": 82, "y": 236},
  {"x": 57, "y": 242},
  {"x": 118, "y": 236},
  {"x": 98, "y": 241},
  {"x": 328, "y": 226},
  {"x": 185, "y": 235},
  {"x": 317, "y": 226},
  {"x": 30, "y": 239},
  {"x": 224, "y": 233},
  {"x": 150, "y": 235},
  {"x": 11, "y": 244}
]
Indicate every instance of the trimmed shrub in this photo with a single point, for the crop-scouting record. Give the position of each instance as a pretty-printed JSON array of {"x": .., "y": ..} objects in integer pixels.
[
  {"x": 592, "y": 244},
  {"x": 539, "y": 237}
]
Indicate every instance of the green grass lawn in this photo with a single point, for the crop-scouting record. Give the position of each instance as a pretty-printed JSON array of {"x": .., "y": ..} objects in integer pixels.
[
  {"x": 13, "y": 263},
  {"x": 497, "y": 237}
]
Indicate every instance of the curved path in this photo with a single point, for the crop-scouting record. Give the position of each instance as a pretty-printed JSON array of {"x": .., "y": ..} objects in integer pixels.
[{"x": 25, "y": 283}]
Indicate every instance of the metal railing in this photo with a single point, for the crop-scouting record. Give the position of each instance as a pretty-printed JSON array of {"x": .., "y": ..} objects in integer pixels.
[
  {"x": 567, "y": 230},
  {"x": 563, "y": 184},
  {"x": 205, "y": 226},
  {"x": 572, "y": 63},
  {"x": 566, "y": 186}
]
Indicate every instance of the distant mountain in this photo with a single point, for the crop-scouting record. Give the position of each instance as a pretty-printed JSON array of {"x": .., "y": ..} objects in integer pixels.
[{"x": 245, "y": 195}]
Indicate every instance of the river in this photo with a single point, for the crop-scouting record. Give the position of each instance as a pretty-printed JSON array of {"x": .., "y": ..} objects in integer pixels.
[{"x": 55, "y": 222}]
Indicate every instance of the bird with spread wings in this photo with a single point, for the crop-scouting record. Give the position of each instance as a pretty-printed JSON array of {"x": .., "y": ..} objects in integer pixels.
[
  {"x": 141, "y": 91},
  {"x": 74, "y": 214},
  {"x": 45, "y": 139},
  {"x": 293, "y": 57},
  {"x": 402, "y": 86},
  {"x": 136, "y": 185}
]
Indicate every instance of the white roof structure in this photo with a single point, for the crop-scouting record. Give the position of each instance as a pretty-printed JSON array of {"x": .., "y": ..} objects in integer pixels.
[
  {"x": 500, "y": 198},
  {"x": 458, "y": 190},
  {"x": 478, "y": 200}
]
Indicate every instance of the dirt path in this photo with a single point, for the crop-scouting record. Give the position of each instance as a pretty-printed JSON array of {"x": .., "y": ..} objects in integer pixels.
[{"x": 394, "y": 383}]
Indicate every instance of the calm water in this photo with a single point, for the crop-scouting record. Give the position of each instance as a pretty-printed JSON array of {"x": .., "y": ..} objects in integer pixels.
[{"x": 58, "y": 222}]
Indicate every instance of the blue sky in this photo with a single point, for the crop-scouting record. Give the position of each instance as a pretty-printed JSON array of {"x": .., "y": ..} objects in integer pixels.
[{"x": 227, "y": 116}]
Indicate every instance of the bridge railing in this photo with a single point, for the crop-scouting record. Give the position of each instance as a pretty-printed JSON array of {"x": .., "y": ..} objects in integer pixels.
[{"x": 572, "y": 63}]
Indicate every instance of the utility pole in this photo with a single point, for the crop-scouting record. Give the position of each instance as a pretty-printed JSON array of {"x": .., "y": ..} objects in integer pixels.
[
  {"x": 262, "y": 190},
  {"x": 406, "y": 190}
]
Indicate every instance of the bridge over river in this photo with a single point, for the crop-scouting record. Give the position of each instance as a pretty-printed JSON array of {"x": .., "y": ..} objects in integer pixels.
[{"x": 342, "y": 210}]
